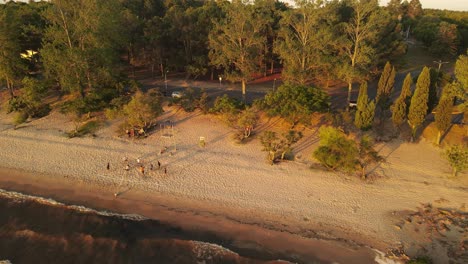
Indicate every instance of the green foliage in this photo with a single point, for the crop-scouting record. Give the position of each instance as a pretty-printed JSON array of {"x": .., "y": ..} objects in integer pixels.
[
  {"x": 193, "y": 99},
  {"x": 360, "y": 40},
  {"x": 81, "y": 43},
  {"x": 295, "y": 103},
  {"x": 400, "y": 107},
  {"x": 367, "y": 154},
  {"x": 12, "y": 67},
  {"x": 443, "y": 116},
  {"x": 305, "y": 55},
  {"x": 420, "y": 260},
  {"x": 246, "y": 122},
  {"x": 279, "y": 147},
  {"x": 418, "y": 107},
  {"x": 30, "y": 101},
  {"x": 87, "y": 128},
  {"x": 457, "y": 156},
  {"x": 20, "y": 118},
  {"x": 227, "y": 108},
  {"x": 384, "y": 89},
  {"x": 142, "y": 110},
  {"x": 336, "y": 151},
  {"x": 364, "y": 117},
  {"x": 235, "y": 42}
]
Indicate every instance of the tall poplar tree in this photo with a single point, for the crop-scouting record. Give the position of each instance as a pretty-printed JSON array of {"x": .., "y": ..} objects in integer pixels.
[
  {"x": 384, "y": 89},
  {"x": 400, "y": 107},
  {"x": 418, "y": 107},
  {"x": 443, "y": 115},
  {"x": 365, "y": 109},
  {"x": 235, "y": 42}
]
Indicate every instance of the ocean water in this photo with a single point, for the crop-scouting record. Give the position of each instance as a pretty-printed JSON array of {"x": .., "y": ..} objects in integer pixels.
[{"x": 39, "y": 230}]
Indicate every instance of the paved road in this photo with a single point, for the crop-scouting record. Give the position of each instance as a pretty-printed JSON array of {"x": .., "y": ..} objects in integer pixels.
[{"x": 256, "y": 91}]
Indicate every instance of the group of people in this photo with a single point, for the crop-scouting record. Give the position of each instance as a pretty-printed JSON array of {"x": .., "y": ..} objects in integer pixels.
[{"x": 139, "y": 165}]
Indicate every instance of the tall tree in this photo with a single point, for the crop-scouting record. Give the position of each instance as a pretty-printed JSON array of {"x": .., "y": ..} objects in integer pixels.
[
  {"x": 358, "y": 46},
  {"x": 365, "y": 109},
  {"x": 235, "y": 42},
  {"x": 400, "y": 107},
  {"x": 384, "y": 90},
  {"x": 394, "y": 6},
  {"x": 414, "y": 9},
  {"x": 305, "y": 38},
  {"x": 418, "y": 107},
  {"x": 81, "y": 43},
  {"x": 443, "y": 115},
  {"x": 11, "y": 65}
]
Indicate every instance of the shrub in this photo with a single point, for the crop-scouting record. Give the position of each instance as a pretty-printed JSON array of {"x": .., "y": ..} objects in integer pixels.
[
  {"x": 20, "y": 118},
  {"x": 87, "y": 128},
  {"x": 457, "y": 156},
  {"x": 228, "y": 108},
  {"x": 142, "y": 110},
  {"x": 279, "y": 147},
  {"x": 336, "y": 151},
  {"x": 295, "y": 103}
]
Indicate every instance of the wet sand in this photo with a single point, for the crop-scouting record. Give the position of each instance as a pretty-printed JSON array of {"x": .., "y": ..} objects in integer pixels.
[{"x": 252, "y": 237}]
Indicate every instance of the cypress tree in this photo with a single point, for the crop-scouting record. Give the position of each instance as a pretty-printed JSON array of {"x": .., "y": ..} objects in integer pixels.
[
  {"x": 399, "y": 112},
  {"x": 365, "y": 109},
  {"x": 418, "y": 107},
  {"x": 406, "y": 88},
  {"x": 443, "y": 116},
  {"x": 384, "y": 89},
  {"x": 400, "y": 108}
]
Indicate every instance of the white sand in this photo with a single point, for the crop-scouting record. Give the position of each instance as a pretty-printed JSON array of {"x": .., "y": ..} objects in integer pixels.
[{"x": 238, "y": 175}]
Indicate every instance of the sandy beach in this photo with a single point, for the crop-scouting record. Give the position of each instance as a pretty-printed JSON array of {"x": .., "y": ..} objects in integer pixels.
[{"x": 231, "y": 190}]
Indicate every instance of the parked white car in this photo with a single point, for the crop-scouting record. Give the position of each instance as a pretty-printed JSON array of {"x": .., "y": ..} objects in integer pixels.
[{"x": 177, "y": 94}]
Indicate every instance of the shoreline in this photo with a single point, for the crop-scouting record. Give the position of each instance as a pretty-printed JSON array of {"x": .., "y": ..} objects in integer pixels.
[
  {"x": 231, "y": 186},
  {"x": 244, "y": 235}
]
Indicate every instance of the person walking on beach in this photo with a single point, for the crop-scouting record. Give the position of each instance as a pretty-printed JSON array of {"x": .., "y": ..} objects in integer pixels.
[
  {"x": 165, "y": 170},
  {"x": 138, "y": 160},
  {"x": 127, "y": 167},
  {"x": 151, "y": 166},
  {"x": 108, "y": 166},
  {"x": 159, "y": 165},
  {"x": 142, "y": 170}
]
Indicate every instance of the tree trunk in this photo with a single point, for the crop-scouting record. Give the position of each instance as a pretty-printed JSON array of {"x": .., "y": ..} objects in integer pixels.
[
  {"x": 414, "y": 129},
  {"x": 350, "y": 88},
  {"x": 272, "y": 66},
  {"x": 439, "y": 136},
  {"x": 152, "y": 70},
  {"x": 454, "y": 172},
  {"x": 10, "y": 88},
  {"x": 243, "y": 90},
  {"x": 212, "y": 74}
]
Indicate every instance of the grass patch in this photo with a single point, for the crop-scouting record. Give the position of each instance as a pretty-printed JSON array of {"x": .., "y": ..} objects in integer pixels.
[{"x": 87, "y": 128}]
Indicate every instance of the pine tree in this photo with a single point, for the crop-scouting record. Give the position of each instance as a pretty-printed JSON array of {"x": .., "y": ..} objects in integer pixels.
[
  {"x": 443, "y": 116},
  {"x": 400, "y": 107},
  {"x": 384, "y": 90},
  {"x": 418, "y": 107},
  {"x": 365, "y": 109}
]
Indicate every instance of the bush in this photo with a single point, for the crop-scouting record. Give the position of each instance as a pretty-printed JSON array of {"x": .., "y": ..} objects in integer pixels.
[
  {"x": 295, "y": 103},
  {"x": 87, "y": 128},
  {"x": 457, "y": 156},
  {"x": 336, "y": 151},
  {"x": 279, "y": 148},
  {"x": 228, "y": 108},
  {"x": 20, "y": 118},
  {"x": 142, "y": 110},
  {"x": 420, "y": 260}
]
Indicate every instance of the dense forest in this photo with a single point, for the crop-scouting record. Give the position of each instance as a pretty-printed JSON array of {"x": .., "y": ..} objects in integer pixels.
[{"x": 91, "y": 48}]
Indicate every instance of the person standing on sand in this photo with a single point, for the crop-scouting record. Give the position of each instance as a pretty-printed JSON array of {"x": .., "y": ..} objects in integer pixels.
[
  {"x": 151, "y": 166},
  {"x": 165, "y": 170},
  {"x": 127, "y": 167},
  {"x": 108, "y": 166},
  {"x": 142, "y": 170},
  {"x": 159, "y": 165},
  {"x": 138, "y": 160}
]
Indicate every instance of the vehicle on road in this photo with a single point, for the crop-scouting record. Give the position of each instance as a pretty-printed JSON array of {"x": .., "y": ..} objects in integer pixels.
[{"x": 177, "y": 94}]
